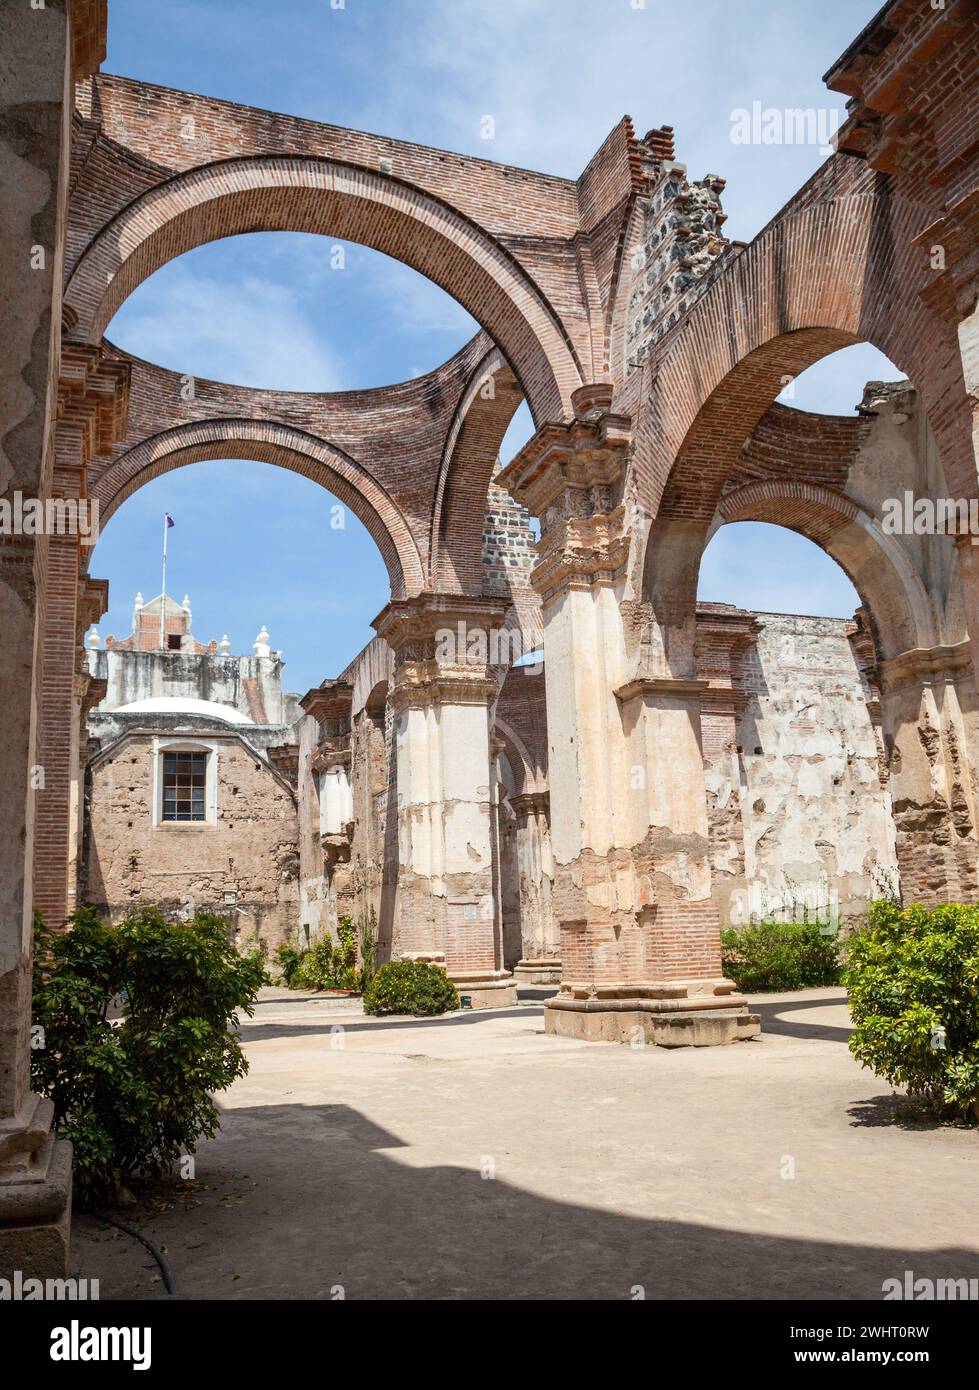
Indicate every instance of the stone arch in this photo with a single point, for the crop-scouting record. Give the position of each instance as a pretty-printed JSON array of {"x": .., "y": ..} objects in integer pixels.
[
  {"x": 901, "y": 612},
  {"x": 340, "y": 200},
  {"x": 526, "y": 773},
  {"x": 838, "y": 266},
  {"x": 286, "y": 447},
  {"x": 472, "y": 447}
]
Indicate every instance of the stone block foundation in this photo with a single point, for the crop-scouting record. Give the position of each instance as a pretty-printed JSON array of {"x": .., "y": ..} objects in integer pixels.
[{"x": 647, "y": 1022}]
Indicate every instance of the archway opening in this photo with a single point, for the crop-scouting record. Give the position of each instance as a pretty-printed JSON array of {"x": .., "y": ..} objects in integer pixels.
[
  {"x": 795, "y": 764},
  {"x": 291, "y": 311}
]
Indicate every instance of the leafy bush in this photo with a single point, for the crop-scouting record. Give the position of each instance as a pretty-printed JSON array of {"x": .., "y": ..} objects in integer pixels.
[
  {"x": 329, "y": 964},
  {"x": 913, "y": 980},
  {"x": 368, "y": 949},
  {"x": 288, "y": 959},
  {"x": 134, "y": 1094},
  {"x": 781, "y": 956},
  {"x": 410, "y": 987}
]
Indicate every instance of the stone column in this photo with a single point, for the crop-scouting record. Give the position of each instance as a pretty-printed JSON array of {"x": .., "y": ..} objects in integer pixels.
[
  {"x": 930, "y": 726},
  {"x": 540, "y": 962},
  {"x": 639, "y": 936},
  {"x": 445, "y": 906},
  {"x": 330, "y": 761},
  {"x": 35, "y": 1170},
  {"x": 724, "y": 636}
]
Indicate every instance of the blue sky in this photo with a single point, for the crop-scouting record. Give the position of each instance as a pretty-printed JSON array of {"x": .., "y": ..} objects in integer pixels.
[{"x": 254, "y": 545}]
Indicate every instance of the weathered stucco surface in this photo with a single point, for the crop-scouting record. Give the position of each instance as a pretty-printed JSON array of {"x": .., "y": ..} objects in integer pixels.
[
  {"x": 244, "y": 865},
  {"x": 800, "y": 818}
]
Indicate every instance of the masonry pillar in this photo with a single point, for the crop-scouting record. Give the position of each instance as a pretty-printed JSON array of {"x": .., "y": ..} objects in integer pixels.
[
  {"x": 331, "y": 833},
  {"x": 929, "y": 720},
  {"x": 35, "y": 1169},
  {"x": 540, "y": 961},
  {"x": 639, "y": 936},
  {"x": 446, "y": 906}
]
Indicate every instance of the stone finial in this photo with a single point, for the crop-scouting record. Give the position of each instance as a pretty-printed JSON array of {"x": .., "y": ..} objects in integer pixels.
[
  {"x": 224, "y": 646},
  {"x": 94, "y": 640},
  {"x": 138, "y": 600},
  {"x": 261, "y": 644},
  {"x": 186, "y": 603}
]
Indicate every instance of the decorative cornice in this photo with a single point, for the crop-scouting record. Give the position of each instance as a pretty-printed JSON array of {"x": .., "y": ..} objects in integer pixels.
[
  {"x": 93, "y": 398},
  {"x": 436, "y": 659},
  {"x": 926, "y": 666},
  {"x": 656, "y": 688},
  {"x": 330, "y": 701}
]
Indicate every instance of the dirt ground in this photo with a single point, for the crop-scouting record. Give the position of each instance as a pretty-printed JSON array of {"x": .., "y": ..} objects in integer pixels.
[{"x": 473, "y": 1157}]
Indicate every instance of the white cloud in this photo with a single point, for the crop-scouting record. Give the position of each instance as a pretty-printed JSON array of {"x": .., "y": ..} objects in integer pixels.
[{"x": 250, "y": 331}]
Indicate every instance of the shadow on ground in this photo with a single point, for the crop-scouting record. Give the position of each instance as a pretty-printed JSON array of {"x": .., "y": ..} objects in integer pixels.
[
  {"x": 773, "y": 1019},
  {"x": 327, "y": 1206}
]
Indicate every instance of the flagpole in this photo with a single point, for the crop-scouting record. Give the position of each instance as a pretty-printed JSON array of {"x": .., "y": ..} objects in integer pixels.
[{"x": 163, "y": 597}]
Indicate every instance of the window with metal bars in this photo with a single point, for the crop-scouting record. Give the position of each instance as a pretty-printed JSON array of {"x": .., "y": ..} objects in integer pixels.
[{"x": 184, "y": 786}]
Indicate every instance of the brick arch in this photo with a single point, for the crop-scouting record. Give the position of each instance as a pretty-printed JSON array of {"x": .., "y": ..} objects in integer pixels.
[
  {"x": 471, "y": 449},
  {"x": 901, "y": 612},
  {"x": 838, "y": 266},
  {"x": 525, "y": 771},
  {"x": 339, "y": 200},
  {"x": 285, "y": 447}
]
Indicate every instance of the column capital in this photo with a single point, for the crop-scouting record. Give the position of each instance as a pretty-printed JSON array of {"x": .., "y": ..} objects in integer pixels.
[
  {"x": 572, "y": 476},
  {"x": 330, "y": 704},
  {"x": 573, "y": 469},
  {"x": 531, "y": 803},
  {"x": 445, "y": 646}
]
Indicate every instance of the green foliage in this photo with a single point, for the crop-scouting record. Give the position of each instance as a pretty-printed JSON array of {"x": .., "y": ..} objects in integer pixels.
[
  {"x": 288, "y": 959},
  {"x": 134, "y": 1093},
  {"x": 913, "y": 980},
  {"x": 329, "y": 964},
  {"x": 410, "y": 987},
  {"x": 781, "y": 956},
  {"x": 367, "y": 929}
]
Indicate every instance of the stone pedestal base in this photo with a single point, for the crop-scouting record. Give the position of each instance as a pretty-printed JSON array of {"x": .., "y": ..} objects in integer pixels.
[
  {"x": 658, "y": 1016},
  {"x": 35, "y": 1215},
  {"x": 486, "y": 991},
  {"x": 539, "y": 971}
]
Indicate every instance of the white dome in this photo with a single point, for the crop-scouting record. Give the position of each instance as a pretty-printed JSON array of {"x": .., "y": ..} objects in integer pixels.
[{"x": 183, "y": 704}]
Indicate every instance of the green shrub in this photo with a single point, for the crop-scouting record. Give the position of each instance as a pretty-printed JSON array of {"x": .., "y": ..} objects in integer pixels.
[
  {"x": 781, "y": 956},
  {"x": 410, "y": 987},
  {"x": 135, "y": 1094},
  {"x": 329, "y": 964},
  {"x": 288, "y": 959},
  {"x": 913, "y": 979},
  {"x": 367, "y": 929}
]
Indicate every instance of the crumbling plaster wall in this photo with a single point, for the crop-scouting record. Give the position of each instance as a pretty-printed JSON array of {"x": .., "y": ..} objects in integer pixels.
[{"x": 805, "y": 771}]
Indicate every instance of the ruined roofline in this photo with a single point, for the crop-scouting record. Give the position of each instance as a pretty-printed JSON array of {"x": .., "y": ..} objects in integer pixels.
[
  {"x": 872, "y": 28},
  {"x": 477, "y": 347},
  {"x": 137, "y": 84}
]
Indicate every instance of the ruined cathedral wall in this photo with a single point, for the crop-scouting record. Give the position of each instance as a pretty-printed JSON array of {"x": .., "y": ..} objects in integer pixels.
[
  {"x": 249, "y": 684},
  {"x": 314, "y": 888},
  {"x": 798, "y": 812},
  {"x": 243, "y": 864}
]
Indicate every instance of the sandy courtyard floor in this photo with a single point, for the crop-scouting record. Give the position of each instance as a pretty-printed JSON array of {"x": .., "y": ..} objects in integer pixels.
[{"x": 475, "y": 1158}]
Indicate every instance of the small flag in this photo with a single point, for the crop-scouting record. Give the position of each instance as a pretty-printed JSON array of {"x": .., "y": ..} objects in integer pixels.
[{"x": 169, "y": 520}]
